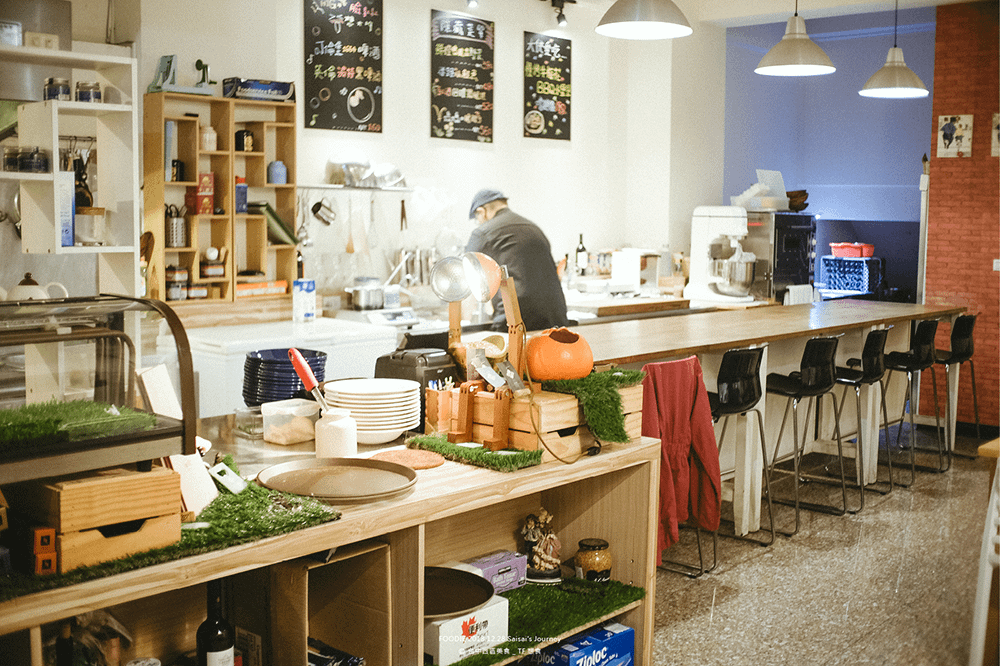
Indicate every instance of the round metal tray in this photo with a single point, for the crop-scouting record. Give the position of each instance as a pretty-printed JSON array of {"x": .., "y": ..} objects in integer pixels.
[
  {"x": 449, "y": 592},
  {"x": 337, "y": 480}
]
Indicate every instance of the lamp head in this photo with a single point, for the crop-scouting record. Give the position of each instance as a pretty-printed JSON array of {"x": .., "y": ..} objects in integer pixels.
[{"x": 474, "y": 273}]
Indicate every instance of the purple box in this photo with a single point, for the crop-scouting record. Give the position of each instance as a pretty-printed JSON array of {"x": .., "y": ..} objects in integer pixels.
[{"x": 506, "y": 570}]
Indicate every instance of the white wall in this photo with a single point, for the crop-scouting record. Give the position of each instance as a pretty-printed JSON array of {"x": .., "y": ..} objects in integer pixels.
[{"x": 612, "y": 181}]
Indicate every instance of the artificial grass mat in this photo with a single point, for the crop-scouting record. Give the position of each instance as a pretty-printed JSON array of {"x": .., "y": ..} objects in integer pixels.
[
  {"x": 541, "y": 613},
  {"x": 47, "y": 423},
  {"x": 254, "y": 514},
  {"x": 600, "y": 400},
  {"x": 508, "y": 460}
]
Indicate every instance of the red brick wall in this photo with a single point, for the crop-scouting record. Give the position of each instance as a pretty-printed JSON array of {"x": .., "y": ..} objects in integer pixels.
[{"x": 963, "y": 235}]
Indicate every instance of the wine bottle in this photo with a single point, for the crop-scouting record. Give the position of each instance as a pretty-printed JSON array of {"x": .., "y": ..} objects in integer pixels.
[
  {"x": 582, "y": 258},
  {"x": 64, "y": 645},
  {"x": 216, "y": 640}
]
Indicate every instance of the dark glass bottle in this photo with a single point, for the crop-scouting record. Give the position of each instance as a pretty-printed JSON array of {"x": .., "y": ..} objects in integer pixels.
[
  {"x": 64, "y": 646},
  {"x": 216, "y": 638},
  {"x": 582, "y": 257}
]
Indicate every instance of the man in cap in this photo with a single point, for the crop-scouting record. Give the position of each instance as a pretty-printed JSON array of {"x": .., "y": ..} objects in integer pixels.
[{"x": 519, "y": 244}]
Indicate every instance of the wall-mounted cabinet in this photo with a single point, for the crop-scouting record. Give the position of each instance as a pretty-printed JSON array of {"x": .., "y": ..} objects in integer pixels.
[
  {"x": 241, "y": 237},
  {"x": 46, "y": 199}
]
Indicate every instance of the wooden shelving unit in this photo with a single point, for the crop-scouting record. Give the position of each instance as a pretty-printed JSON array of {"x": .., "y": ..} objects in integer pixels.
[
  {"x": 244, "y": 235},
  {"x": 46, "y": 197},
  {"x": 368, "y": 598}
]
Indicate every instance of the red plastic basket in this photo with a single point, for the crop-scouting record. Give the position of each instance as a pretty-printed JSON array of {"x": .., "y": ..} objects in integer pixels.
[{"x": 852, "y": 249}]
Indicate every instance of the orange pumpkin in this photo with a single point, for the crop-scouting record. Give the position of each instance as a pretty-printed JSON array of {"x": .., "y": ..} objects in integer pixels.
[{"x": 559, "y": 353}]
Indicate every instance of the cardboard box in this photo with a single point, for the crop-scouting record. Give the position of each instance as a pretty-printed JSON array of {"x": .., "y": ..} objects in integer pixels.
[
  {"x": 250, "y": 289},
  {"x": 610, "y": 645},
  {"x": 268, "y": 91},
  {"x": 506, "y": 570},
  {"x": 199, "y": 204},
  {"x": 451, "y": 639}
]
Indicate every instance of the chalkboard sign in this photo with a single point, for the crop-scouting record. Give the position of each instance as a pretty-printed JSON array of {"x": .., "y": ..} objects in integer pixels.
[
  {"x": 546, "y": 86},
  {"x": 343, "y": 64},
  {"x": 461, "y": 77}
]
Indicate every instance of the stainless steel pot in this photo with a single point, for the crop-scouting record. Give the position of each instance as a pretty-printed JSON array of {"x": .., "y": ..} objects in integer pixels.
[
  {"x": 736, "y": 277},
  {"x": 367, "y": 296}
]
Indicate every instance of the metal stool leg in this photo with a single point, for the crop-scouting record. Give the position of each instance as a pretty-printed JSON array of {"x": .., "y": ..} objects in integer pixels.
[
  {"x": 793, "y": 404},
  {"x": 767, "y": 478},
  {"x": 943, "y": 446},
  {"x": 975, "y": 406}
]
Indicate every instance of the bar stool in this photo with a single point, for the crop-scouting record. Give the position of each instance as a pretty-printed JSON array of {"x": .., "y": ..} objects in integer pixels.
[
  {"x": 961, "y": 351},
  {"x": 919, "y": 357},
  {"x": 738, "y": 393},
  {"x": 815, "y": 378},
  {"x": 872, "y": 364}
]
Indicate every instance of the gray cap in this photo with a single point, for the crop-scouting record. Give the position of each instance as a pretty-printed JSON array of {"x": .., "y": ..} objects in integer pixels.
[{"x": 482, "y": 198}]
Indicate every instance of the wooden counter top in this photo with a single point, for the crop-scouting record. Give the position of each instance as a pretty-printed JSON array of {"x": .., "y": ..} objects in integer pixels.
[
  {"x": 643, "y": 340},
  {"x": 609, "y": 307}
]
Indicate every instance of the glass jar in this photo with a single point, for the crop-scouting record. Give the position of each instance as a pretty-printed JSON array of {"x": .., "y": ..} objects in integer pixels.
[
  {"x": 209, "y": 139},
  {"x": 593, "y": 560},
  {"x": 33, "y": 160},
  {"x": 57, "y": 89},
  {"x": 88, "y": 91},
  {"x": 336, "y": 434},
  {"x": 11, "y": 158}
]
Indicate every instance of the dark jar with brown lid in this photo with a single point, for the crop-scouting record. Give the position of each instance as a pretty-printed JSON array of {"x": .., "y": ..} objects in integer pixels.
[{"x": 593, "y": 560}]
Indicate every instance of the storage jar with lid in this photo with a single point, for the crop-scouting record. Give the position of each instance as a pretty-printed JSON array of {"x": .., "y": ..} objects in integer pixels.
[
  {"x": 336, "y": 434},
  {"x": 57, "y": 89},
  {"x": 593, "y": 560},
  {"x": 88, "y": 91}
]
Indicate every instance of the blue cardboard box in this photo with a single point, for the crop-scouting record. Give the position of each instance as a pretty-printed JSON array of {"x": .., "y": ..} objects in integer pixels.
[{"x": 610, "y": 645}]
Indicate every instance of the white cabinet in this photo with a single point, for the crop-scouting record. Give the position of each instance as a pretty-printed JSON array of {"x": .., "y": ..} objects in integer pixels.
[{"x": 113, "y": 123}]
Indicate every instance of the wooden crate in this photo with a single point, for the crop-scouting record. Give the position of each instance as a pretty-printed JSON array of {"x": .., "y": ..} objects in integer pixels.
[
  {"x": 557, "y": 416},
  {"x": 105, "y": 515}
]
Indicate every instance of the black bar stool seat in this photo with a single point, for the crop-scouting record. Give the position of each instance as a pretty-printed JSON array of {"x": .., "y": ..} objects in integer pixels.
[{"x": 815, "y": 378}]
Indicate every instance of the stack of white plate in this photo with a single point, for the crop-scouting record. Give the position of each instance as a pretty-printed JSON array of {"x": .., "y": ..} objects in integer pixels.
[{"x": 384, "y": 408}]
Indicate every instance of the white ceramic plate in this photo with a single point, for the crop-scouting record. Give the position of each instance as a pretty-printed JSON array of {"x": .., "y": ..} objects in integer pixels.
[
  {"x": 374, "y": 404},
  {"x": 379, "y": 436},
  {"x": 379, "y": 386}
]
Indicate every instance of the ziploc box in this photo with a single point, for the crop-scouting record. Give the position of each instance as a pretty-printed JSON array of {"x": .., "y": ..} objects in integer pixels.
[
  {"x": 610, "y": 645},
  {"x": 454, "y": 638},
  {"x": 505, "y": 569}
]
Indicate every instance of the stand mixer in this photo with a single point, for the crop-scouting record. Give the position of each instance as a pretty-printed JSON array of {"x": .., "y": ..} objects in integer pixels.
[{"x": 721, "y": 272}]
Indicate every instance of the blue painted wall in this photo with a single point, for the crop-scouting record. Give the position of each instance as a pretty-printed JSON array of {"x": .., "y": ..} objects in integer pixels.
[{"x": 859, "y": 158}]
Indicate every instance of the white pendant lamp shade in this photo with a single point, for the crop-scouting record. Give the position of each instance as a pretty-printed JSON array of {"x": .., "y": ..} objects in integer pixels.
[
  {"x": 795, "y": 54},
  {"x": 644, "y": 19},
  {"x": 894, "y": 80}
]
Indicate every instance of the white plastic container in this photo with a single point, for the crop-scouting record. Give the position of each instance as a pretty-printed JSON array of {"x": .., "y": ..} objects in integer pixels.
[
  {"x": 290, "y": 421},
  {"x": 336, "y": 434}
]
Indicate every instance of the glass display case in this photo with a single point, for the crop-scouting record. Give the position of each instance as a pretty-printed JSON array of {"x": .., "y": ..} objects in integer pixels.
[{"x": 84, "y": 385}]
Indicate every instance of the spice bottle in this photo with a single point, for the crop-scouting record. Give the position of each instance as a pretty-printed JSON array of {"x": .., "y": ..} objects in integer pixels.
[
  {"x": 336, "y": 434},
  {"x": 593, "y": 560}
]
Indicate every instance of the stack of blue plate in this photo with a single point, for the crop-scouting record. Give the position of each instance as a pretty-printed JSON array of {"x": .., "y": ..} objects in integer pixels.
[{"x": 268, "y": 375}]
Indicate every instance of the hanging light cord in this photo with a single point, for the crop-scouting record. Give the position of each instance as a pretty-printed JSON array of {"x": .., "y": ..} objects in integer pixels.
[
  {"x": 796, "y": 7},
  {"x": 895, "y": 24}
]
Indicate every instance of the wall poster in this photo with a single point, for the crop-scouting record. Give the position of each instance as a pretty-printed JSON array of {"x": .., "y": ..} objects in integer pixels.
[
  {"x": 547, "y": 89},
  {"x": 343, "y": 64},
  {"x": 461, "y": 77},
  {"x": 954, "y": 136}
]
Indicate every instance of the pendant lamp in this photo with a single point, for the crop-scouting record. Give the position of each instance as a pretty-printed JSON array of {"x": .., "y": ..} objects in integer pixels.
[
  {"x": 795, "y": 54},
  {"x": 644, "y": 19},
  {"x": 894, "y": 80}
]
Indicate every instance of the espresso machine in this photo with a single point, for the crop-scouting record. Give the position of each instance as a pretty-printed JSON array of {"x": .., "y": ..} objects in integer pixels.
[{"x": 721, "y": 271}]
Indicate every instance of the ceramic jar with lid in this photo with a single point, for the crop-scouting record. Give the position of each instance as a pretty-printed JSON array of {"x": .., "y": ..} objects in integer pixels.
[
  {"x": 336, "y": 434},
  {"x": 593, "y": 560}
]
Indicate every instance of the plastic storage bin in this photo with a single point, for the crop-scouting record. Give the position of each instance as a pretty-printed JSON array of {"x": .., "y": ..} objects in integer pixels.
[
  {"x": 863, "y": 274},
  {"x": 852, "y": 249}
]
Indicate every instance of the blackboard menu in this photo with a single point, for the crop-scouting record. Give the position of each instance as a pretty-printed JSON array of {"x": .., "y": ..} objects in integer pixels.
[
  {"x": 343, "y": 64},
  {"x": 461, "y": 77},
  {"x": 547, "y": 87}
]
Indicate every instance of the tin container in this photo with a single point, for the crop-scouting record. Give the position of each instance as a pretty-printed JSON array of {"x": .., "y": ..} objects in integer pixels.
[
  {"x": 56, "y": 89},
  {"x": 196, "y": 291},
  {"x": 11, "y": 158},
  {"x": 88, "y": 91},
  {"x": 213, "y": 269},
  {"x": 176, "y": 232},
  {"x": 176, "y": 274},
  {"x": 33, "y": 160}
]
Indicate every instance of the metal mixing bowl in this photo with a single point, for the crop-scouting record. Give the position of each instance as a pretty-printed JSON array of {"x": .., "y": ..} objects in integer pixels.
[{"x": 736, "y": 277}]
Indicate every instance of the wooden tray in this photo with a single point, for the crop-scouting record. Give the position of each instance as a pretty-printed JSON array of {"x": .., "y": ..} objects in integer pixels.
[{"x": 335, "y": 480}]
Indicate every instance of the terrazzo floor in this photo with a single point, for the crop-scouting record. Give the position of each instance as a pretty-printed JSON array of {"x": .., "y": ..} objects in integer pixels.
[{"x": 892, "y": 585}]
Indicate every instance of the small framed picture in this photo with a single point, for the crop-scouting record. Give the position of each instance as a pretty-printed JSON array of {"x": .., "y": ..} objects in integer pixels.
[{"x": 954, "y": 136}]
